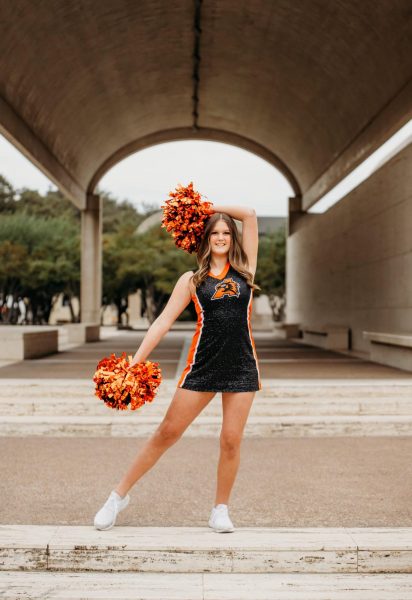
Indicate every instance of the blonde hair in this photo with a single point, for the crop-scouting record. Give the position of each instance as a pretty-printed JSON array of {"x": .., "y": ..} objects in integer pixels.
[{"x": 237, "y": 256}]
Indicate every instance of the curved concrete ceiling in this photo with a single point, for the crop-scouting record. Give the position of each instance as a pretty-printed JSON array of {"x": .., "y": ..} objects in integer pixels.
[{"x": 313, "y": 86}]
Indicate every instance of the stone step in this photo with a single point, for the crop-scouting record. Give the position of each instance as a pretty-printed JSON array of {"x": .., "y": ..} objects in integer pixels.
[
  {"x": 20, "y": 388},
  {"x": 141, "y": 425},
  {"x": 64, "y": 398},
  {"x": 205, "y": 586},
  {"x": 201, "y": 550},
  {"x": 89, "y": 405},
  {"x": 272, "y": 388}
]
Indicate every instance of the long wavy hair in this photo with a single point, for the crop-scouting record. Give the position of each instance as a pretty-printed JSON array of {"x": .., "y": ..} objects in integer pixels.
[{"x": 237, "y": 256}]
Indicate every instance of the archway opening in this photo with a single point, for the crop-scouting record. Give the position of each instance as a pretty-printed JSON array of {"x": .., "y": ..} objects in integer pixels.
[
  {"x": 224, "y": 174},
  {"x": 219, "y": 171}
]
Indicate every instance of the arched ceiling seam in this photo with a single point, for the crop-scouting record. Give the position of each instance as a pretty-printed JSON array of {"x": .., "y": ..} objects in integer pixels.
[{"x": 196, "y": 62}]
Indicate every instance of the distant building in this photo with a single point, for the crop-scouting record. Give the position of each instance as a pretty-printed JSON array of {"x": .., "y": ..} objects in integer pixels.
[
  {"x": 154, "y": 219},
  {"x": 268, "y": 225}
]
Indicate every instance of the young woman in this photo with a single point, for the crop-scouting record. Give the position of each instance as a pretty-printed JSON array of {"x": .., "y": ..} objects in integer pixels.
[{"x": 222, "y": 356}]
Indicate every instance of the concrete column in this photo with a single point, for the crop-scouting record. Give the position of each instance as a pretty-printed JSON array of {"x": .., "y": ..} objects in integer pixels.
[
  {"x": 91, "y": 260},
  {"x": 295, "y": 212}
]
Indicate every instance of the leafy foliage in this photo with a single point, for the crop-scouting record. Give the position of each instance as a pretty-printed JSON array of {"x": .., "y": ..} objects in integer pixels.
[
  {"x": 7, "y": 196},
  {"x": 116, "y": 214},
  {"x": 149, "y": 262},
  {"x": 40, "y": 255},
  {"x": 39, "y": 259},
  {"x": 271, "y": 270}
]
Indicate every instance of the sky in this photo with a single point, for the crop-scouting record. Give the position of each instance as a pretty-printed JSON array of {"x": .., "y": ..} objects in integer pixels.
[{"x": 223, "y": 174}]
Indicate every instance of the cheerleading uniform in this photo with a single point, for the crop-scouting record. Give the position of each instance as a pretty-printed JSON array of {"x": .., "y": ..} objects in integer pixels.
[{"x": 222, "y": 356}]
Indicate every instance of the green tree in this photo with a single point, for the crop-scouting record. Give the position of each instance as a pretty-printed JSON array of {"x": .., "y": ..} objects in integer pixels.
[
  {"x": 50, "y": 206},
  {"x": 13, "y": 261},
  {"x": 118, "y": 214},
  {"x": 271, "y": 270},
  {"x": 149, "y": 262},
  {"x": 40, "y": 258},
  {"x": 7, "y": 196},
  {"x": 40, "y": 252}
]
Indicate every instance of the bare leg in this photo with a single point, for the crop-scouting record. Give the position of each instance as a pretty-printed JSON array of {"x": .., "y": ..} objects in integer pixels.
[
  {"x": 236, "y": 408},
  {"x": 183, "y": 409}
]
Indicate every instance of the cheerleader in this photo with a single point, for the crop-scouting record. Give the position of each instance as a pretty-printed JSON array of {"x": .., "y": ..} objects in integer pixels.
[{"x": 222, "y": 356}]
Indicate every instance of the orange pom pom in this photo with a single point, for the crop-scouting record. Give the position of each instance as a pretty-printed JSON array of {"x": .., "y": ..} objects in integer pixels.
[
  {"x": 184, "y": 214},
  {"x": 121, "y": 386}
]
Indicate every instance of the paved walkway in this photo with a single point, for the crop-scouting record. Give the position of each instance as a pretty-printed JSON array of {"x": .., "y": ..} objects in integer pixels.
[
  {"x": 278, "y": 359},
  {"x": 80, "y": 362},
  {"x": 293, "y": 481}
]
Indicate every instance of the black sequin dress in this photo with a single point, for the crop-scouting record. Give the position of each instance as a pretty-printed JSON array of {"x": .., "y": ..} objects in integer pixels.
[{"x": 222, "y": 356}]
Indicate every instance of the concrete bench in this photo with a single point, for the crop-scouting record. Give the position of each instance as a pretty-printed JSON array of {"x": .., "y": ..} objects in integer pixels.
[
  {"x": 81, "y": 333},
  {"x": 390, "y": 348},
  {"x": 19, "y": 342},
  {"x": 286, "y": 330},
  {"x": 329, "y": 336}
]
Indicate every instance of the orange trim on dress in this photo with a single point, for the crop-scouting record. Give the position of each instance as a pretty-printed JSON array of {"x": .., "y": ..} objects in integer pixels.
[
  {"x": 222, "y": 273},
  {"x": 251, "y": 337},
  {"x": 195, "y": 341}
]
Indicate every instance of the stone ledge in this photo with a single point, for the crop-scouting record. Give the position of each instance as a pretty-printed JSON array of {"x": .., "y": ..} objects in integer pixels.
[
  {"x": 82, "y": 333},
  {"x": 199, "y": 549},
  {"x": 259, "y": 426},
  {"x": 28, "y": 341},
  {"x": 390, "y": 348},
  {"x": 393, "y": 339},
  {"x": 279, "y": 384},
  {"x": 286, "y": 330},
  {"x": 327, "y": 336},
  {"x": 198, "y": 586},
  {"x": 22, "y": 402}
]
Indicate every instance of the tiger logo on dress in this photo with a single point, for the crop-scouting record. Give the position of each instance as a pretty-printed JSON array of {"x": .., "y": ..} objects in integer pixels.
[{"x": 227, "y": 287}]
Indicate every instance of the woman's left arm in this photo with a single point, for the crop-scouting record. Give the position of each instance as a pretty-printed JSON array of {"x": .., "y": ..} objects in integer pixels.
[{"x": 250, "y": 236}]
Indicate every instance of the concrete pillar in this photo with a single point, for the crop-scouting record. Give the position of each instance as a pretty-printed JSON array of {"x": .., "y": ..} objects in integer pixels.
[
  {"x": 296, "y": 217},
  {"x": 295, "y": 212},
  {"x": 91, "y": 260}
]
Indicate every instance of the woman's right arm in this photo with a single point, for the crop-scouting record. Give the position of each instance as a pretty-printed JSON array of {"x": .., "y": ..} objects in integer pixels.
[{"x": 176, "y": 304}]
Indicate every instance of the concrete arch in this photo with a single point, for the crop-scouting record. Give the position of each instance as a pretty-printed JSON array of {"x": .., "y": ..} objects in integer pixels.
[
  {"x": 188, "y": 133},
  {"x": 311, "y": 87},
  {"x": 318, "y": 86}
]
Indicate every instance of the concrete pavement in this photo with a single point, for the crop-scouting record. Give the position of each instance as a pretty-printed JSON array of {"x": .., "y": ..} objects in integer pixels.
[{"x": 291, "y": 482}]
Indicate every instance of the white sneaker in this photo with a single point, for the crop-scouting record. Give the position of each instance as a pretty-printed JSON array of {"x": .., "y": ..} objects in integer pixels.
[
  {"x": 220, "y": 520},
  {"x": 106, "y": 517}
]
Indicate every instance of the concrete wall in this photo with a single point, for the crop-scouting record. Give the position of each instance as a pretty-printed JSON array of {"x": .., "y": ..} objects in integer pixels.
[{"x": 352, "y": 265}]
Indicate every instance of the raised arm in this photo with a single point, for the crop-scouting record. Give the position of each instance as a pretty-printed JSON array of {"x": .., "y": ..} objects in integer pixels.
[
  {"x": 250, "y": 236},
  {"x": 177, "y": 302}
]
